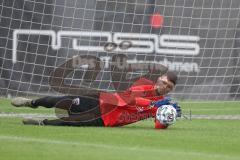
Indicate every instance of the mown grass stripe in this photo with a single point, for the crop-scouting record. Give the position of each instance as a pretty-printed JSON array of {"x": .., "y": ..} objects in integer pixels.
[{"x": 113, "y": 147}]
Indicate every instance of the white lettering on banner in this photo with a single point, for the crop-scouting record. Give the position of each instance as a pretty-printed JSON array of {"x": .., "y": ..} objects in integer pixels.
[
  {"x": 141, "y": 42},
  {"x": 144, "y": 65},
  {"x": 163, "y": 44}
]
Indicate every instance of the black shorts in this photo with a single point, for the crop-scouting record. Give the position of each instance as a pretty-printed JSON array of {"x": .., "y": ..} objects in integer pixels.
[{"x": 73, "y": 110}]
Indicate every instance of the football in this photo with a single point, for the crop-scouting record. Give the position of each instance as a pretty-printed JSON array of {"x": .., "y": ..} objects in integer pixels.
[{"x": 166, "y": 114}]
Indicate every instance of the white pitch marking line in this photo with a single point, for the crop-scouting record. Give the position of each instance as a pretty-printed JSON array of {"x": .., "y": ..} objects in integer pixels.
[{"x": 27, "y": 115}]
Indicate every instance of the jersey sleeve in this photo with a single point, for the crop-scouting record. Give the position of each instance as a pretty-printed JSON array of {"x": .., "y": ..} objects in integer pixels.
[
  {"x": 142, "y": 102},
  {"x": 141, "y": 93}
]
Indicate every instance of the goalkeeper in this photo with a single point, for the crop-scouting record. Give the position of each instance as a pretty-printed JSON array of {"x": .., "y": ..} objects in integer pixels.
[{"x": 138, "y": 102}]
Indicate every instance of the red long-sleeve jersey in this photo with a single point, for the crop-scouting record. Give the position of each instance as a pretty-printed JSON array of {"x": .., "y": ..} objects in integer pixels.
[{"x": 132, "y": 105}]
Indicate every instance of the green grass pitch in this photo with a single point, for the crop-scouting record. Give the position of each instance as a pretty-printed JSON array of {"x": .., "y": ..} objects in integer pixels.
[{"x": 198, "y": 139}]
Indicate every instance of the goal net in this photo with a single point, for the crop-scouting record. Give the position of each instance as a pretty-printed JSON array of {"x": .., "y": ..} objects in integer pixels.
[{"x": 59, "y": 47}]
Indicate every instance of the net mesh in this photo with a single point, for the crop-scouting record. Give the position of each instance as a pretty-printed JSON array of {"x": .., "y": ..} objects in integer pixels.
[{"x": 115, "y": 42}]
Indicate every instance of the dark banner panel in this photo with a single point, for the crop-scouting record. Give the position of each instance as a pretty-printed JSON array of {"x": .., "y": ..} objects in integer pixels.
[{"x": 198, "y": 40}]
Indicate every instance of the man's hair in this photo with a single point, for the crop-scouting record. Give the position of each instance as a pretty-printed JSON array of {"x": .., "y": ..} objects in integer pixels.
[{"x": 171, "y": 76}]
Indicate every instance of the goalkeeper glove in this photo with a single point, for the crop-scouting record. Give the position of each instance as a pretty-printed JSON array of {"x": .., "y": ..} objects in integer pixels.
[
  {"x": 178, "y": 109},
  {"x": 168, "y": 101},
  {"x": 164, "y": 101}
]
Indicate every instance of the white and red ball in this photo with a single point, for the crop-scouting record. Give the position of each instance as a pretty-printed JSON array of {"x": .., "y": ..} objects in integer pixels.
[{"x": 166, "y": 114}]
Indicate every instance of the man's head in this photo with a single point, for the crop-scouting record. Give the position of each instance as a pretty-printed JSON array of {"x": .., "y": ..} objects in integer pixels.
[{"x": 166, "y": 83}]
